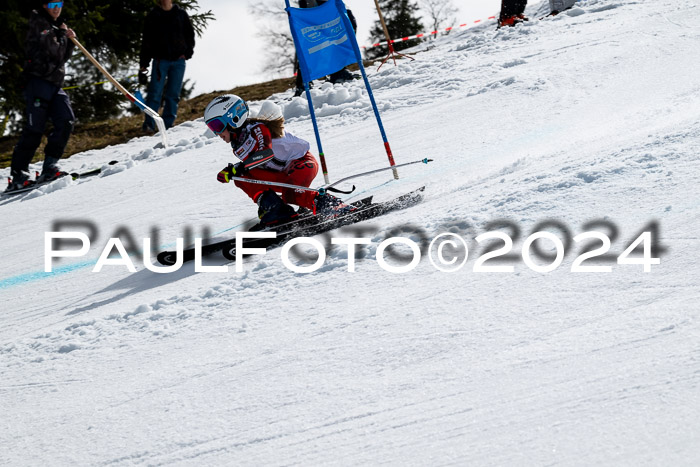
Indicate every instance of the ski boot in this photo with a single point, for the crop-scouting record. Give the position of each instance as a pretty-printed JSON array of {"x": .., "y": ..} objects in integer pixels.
[
  {"x": 18, "y": 181},
  {"x": 343, "y": 76},
  {"x": 511, "y": 21},
  {"x": 272, "y": 211},
  {"x": 300, "y": 90},
  {"x": 50, "y": 171},
  {"x": 329, "y": 206}
]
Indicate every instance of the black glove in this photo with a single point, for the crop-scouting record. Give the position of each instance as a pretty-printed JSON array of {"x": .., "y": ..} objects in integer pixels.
[
  {"x": 230, "y": 171},
  {"x": 143, "y": 77}
]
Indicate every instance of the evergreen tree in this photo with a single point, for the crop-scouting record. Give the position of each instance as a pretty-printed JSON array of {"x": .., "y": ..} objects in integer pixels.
[
  {"x": 401, "y": 21},
  {"x": 110, "y": 30}
]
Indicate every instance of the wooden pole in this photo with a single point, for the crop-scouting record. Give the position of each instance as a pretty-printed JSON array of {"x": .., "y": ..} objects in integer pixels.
[
  {"x": 152, "y": 113},
  {"x": 389, "y": 42}
]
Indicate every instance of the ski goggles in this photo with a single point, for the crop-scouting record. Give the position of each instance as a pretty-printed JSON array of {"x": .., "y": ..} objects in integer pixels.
[
  {"x": 217, "y": 125},
  {"x": 54, "y": 5}
]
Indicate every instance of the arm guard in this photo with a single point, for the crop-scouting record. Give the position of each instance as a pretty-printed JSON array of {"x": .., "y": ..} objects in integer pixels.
[{"x": 258, "y": 158}]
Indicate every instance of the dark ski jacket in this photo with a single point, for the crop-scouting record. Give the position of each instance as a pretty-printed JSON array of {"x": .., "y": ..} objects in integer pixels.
[
  {"x": 314, "y": 3},
  {"x": 167, "y": 35},
  {"x": 47, "y": 48}
]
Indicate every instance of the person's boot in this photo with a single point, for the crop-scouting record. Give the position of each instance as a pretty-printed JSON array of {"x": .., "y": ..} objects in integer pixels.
[
  {"x": 50, "y": 171},
  {"x": 273, "y": 211},
  {"x": 300, "y": 90},
  {"x": 343, "y": 76},
  {"x": 510, "y": 21},
  {"x": 19, "y": 180},
  {"x": 329, "y": 206}
]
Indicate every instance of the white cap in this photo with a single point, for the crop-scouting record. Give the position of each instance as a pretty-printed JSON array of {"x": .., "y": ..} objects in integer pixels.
[{"x": 269, "y": 111}]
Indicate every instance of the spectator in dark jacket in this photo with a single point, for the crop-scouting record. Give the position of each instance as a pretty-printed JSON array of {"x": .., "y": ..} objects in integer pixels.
[
  {"x": 512, "y": 12},
  {"x": 47, "y": 48},
  {"x": 168, "y": 40}
]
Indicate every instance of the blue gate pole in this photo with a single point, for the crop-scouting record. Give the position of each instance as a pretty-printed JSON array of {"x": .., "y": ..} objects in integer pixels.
[
  {"x": 358, "y": 56},
  {"x": 321, "y": 155}
]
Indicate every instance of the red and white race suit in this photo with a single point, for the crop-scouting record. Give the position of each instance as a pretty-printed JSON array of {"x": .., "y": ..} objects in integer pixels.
[{"x": 282, "y": 160}]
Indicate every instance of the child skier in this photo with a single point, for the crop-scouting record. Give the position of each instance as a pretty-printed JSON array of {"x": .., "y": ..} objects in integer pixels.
[{"x": 267, "y": 152}]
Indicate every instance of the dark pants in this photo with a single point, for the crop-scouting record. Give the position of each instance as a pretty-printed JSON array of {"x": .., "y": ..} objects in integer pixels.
[
  {"x": 512, "y": 8},
  {"x": 165, "y": 85},
  {"x": 45, "y": 101},
  {"x": 300, "y": 81}
]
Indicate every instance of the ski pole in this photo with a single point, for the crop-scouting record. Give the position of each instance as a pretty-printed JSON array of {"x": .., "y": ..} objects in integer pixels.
[
  {"x": 152, "y": 113},
  {"x": 264, "y": 182},
  {"x": 326, "y": 188}
]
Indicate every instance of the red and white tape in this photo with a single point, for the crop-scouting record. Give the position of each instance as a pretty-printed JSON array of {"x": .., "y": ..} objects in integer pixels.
[{"x": 418, "y": 36}]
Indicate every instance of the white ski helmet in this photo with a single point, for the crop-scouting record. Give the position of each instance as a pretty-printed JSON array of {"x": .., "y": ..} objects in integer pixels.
[{"x": 225, "y": 110}]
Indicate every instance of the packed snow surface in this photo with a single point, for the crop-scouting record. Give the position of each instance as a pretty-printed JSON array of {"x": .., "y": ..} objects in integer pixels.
[{"x": 587, "y": 121}]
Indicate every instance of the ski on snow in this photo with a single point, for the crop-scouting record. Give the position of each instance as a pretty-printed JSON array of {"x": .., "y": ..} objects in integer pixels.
[
  {"x": 168, "y": 258},
  {"x": 74, "y": 175},
  {"x": 305, "y": 226},
  {"x": 90, "y": 173}
]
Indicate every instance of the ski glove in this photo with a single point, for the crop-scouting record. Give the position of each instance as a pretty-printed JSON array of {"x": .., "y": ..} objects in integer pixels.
[
  {"x": 143, "y": 77},
  {"x": 231, "y": 170}
]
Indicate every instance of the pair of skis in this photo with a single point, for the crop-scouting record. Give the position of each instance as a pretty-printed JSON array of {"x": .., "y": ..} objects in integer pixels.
[
  {"x": 304, "y": 226},
  {"x": 74, "y": 175}
]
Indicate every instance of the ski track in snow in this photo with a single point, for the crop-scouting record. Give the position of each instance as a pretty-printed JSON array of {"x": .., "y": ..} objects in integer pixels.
[{"x": 591, "y": 115}]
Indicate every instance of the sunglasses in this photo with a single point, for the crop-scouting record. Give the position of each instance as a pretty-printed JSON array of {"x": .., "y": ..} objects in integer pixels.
[{"x": 55, "y": 5}]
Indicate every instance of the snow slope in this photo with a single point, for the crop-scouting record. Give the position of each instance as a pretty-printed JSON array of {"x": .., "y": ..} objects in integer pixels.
[{"x": 588, "y": 116}]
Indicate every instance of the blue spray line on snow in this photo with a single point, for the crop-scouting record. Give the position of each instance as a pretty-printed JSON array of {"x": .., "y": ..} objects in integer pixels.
[
  {"x": 34, "y": 276},
  {"x": 40, "y": 275}
]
